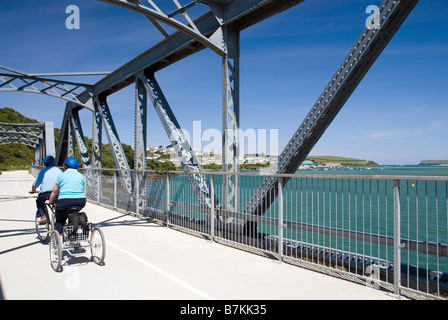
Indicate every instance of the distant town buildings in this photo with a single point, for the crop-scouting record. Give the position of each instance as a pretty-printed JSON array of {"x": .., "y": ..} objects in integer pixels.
[
  {"x": 211, "y": 158},
  {"x": 206, "y": 158}
]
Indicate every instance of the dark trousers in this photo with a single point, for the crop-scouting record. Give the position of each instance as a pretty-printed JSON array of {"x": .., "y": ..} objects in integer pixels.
[
  {"x": 61, "y": 211},
  {"x": 40, "y": 204}
]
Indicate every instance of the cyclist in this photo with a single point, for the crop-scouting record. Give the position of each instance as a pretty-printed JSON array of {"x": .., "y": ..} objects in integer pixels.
[
  {"x": 70, "y": 189},
  {"x": 46, "y": 180}
]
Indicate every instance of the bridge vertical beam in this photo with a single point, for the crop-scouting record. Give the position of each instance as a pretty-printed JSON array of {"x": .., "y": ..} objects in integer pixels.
[
  {"x": 49, "y": 138},
  {"x": 230, "y": 117},
  {"x": 39, "y": 149},
  {"x": 140, "y": 125},
  {"x": 71, "y": 137},
  {"x": 140, "y": 128},
  {"x": 96, "y": 152},
  {"x": 38, "y": 155},
  {"x": 96, "y": 137}
]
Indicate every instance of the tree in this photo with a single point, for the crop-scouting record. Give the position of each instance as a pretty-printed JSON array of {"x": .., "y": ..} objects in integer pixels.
[{"x": 17, "y": 156}]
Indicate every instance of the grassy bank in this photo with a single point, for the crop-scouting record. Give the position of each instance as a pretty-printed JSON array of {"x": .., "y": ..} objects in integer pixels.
[{"x": 345, "y": 162}]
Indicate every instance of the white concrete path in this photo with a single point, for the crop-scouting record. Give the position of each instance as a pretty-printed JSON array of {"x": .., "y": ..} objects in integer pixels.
[{"x": 146, "y": 261}]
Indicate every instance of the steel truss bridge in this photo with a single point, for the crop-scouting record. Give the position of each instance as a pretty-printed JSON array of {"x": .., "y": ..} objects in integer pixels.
[
  {"x": 217, "y": 30},
  {"x": 39, "y": 136}
]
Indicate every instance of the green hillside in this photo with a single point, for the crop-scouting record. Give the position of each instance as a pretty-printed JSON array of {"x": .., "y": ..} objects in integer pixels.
[
  {"x": 345, "y": 162},
  {"x": 20, "y": 157},
  {"x": 15, "y": 156}
]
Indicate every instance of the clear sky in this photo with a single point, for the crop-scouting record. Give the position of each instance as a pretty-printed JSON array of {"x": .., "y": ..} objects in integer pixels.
[{"x": 397, "y": 115}]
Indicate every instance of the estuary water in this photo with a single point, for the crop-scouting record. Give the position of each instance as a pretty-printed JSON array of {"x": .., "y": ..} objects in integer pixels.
[
  {"x": 383, "y": 170},
  {"x": 363, "y": 206},
  {"x": 366, "y": 206}
]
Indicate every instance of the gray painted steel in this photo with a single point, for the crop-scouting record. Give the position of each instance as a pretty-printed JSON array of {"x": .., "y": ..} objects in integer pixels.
[
  {"x": 39, "y": 136},
  {"x": 218, "y": 29},
  {"x": 350, "y": 73}
]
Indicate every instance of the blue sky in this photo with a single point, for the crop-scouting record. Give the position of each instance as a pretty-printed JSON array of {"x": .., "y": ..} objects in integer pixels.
[{"x": 397, "y": 115}]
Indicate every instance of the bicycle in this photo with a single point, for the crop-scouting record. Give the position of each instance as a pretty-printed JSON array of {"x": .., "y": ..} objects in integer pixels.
[
  {"x": 70, "y": 241},
  {"x": 44, "y": 230}
]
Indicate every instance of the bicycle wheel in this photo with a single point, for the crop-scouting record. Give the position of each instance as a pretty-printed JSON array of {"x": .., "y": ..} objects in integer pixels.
[
  {"x": 51, "y": 217},
  {"x": 42, "y": 230},
  {"x": 97, "y": 246},
  {"x": 56, "y": 251}
]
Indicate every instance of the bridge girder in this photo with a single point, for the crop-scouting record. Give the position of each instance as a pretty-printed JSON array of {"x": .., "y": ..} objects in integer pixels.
[
  {"x": 156, "y": 15},
  {"x": 39, "y": 136},
  {"x": 355, "y": 66},
  {"x": 219, "y": 30},
  {"x": 17, "y": 81}
]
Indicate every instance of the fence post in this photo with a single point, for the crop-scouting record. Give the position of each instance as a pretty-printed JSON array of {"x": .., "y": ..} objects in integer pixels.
[
  {"x": 167, "y": 199},
  {"x": 98, "y": 173},
  {"x": 397, "y": 238},
  {"x": 115, "y": 189},
  {"x": 280, "y": 219},
  {"x": 212, "y": 208},
  {"x": 137, "y": 191}
]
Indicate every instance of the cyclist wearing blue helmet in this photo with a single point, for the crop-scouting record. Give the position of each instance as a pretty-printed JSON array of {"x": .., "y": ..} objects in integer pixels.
[
  {"x": 70, "y": 189},
  {"x": 46, "y": 180}
]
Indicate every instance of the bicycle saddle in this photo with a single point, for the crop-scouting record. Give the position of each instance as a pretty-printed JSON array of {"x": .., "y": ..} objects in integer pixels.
[{"x": 74, "y": 209}]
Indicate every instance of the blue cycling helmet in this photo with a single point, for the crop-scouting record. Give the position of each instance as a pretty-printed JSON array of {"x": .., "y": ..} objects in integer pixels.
[
  {"x": 71, "y": 163},
  {"x": 49, "y": 161}
]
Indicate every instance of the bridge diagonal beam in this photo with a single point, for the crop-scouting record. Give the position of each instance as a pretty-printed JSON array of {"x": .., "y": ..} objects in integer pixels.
[
  {"x": 77, "y": 136},
  {"x": 11, "y": 136},
  {"x": 119, "y": 156},
  {"x": 178, "y": 140},
  {"x": 355, "y": 66},
  {"x": 77, "y": 133},
  {"x": 31, "y": 129},
  {"x": 66, "y": 90},
  {"x": 178, "y": 45},
  {"x": 158, "y": 15}
]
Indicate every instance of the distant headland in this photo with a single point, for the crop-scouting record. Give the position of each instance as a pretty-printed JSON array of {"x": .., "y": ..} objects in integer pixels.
[
  {"x": 332, "y": 161},
  {"x": 434, "y": 163}
]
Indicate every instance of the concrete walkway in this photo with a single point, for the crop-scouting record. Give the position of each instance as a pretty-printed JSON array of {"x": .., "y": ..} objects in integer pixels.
[{"x": 146, "y": 261}]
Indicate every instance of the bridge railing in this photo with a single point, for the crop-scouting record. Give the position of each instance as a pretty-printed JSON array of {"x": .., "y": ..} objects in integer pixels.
[{"x": 388, "y": 231}]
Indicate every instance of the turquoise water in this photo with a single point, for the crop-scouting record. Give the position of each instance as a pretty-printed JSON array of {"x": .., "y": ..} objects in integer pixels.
[
  {"x": 358, "y": 205},
  {"x": 383, "y": 170},
  {"x": 367, "y": 206}
]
